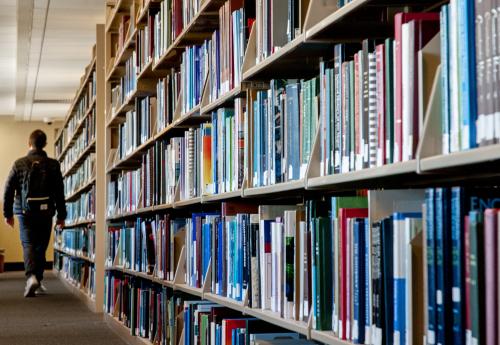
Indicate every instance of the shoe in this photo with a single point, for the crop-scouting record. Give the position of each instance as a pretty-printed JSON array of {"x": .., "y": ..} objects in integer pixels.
[
  {"x": 31, "y": 285},
  {"x": 42, "y": 290}
]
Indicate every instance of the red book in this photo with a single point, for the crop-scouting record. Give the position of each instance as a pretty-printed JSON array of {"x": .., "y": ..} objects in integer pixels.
[
  {"x": 380, "y": 56},
  {"x": 399, "y": 20},
  {"x": 468, "y": 319},
  {"x": 227, "y": 328},
  {"x": 233, "y": 208},
  {"x": 490, "y": 273},
  {"x": 344, "y": 215}
]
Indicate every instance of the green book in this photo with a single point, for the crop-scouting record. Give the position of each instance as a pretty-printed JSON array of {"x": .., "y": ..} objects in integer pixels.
[
  {"x": 204, "y": 329},
  {"x": 339, "y": 202},
  {"x": 324, "y": 272},
  {"x": 476, "y": 272}
]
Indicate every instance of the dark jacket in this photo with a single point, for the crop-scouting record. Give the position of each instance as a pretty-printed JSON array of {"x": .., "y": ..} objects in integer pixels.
[{"x": 19, "y": 175}]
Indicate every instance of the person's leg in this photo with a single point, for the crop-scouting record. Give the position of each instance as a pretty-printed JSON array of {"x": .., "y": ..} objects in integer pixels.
[
  {"x": 28, "y": 242},
  {"x": 44, "y": 228}
]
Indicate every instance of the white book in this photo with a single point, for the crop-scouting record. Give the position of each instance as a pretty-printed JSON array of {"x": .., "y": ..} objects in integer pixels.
[
  {"x": 274, "y": 268},
  {"x": 408, "y": 86}
]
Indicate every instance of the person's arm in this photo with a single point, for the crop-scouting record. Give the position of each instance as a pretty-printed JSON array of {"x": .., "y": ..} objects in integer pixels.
[
  {"x": 8, "y": 197},
  {"x": 59, "y": 198}
]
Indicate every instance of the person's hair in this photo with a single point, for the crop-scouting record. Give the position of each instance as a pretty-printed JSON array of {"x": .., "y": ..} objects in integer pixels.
[{"x": 38, "y": 139}]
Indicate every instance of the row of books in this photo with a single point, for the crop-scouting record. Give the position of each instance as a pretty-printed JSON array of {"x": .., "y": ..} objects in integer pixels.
[
  {"x": 228, "y": 45},
  {"x": 372, "y": 98},
  {"x": 326, "y": 259},
  {"x": 194, "y": 71},
  {"x": 126, "y": 85},
  {"x": 167, "y": 94},
  {"x": 124, "y": 193},
  {"x": 284, "y": 121},
  {"x": 83, "y": 175},
  {"x": 82, "y": 209},
  {"x": 462, "y": 244},
  {"x": 277, "y": 23},
  {"x": 78, "y": 272},
  {"x": 149, "y": 245},
  {"x": 81, "y": 144},
  {"x": 153, "y": 312},
  {"x": 170, "y": 21},
  {"x": 77, "y": 241},
  {"x": 79, "y": 112},
  {"x": 223, "y": 153},
  {"x": 145, "y": 41},
  {"x": 139, "y": 126}
]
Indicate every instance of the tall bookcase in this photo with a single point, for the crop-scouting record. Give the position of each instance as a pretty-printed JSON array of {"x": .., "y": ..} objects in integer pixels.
[
  {"x": 136, "y": 73},
  {"x": 79, "y": 246}
]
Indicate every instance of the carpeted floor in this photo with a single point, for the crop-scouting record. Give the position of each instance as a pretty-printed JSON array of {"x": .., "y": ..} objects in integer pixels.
[{"x": 58, "y": 318}]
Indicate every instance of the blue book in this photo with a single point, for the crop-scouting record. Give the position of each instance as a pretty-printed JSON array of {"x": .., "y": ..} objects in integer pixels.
[
  {"x": 359, "y": 285},
  {"x": 399, "y": 257},
  {"x": 367, "y": 244},
  {"x": 388, "y": 268},
  {"x": 445, "y": 87},
  {"x": 443, "y": 262},
  {"x": 457, "y": 250},
  {"x": 467, "y": 72},
  {"x": 207, "y": 245},
  {"x": 431, "y": 265}
]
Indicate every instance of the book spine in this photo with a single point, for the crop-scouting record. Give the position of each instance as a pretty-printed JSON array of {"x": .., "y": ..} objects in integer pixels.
[
  {"x": 457, "y": 265},
  {"x": 490, "y": 273},
  {"x": 445, "y": 86},
  {"x": 431, "y": 266}
]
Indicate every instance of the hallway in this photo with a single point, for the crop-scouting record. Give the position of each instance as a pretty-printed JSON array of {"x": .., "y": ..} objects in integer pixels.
[{"x": 58, "y": 318}]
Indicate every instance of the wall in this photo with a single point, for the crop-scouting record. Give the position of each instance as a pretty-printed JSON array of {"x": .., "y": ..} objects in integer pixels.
[{"x": 14, "y": 144}]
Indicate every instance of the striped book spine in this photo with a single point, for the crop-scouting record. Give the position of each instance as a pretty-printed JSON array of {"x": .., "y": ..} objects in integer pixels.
[{"x": 372, "y": 108}]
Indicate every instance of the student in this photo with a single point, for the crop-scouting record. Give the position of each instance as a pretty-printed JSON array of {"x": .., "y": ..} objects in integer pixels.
[{"x": 34, "y": 191}]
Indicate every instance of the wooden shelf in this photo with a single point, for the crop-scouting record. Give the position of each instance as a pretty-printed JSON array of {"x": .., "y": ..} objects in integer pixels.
[
  {"x": 327, "y": 337},
  {"x": 331, "y": 181},
  {"x": 76, "y": 164},
  {"x": 274, "y": 189},
  {"x": 199, "y": 29},
  {"x": 367, "y": 14},
  {"x": 224, "y": 301},
  {"x": 77, "y": 131},
  {"x": 68, "y": 253},
  {"x": 303, "y": 56},
  {"x": 222, "y": 196},
  {"x": 478, "y": 155},
  {"x": 142, "y": 275},
  {"x": 224, "y": 99},
  {"x": 127, "y": 105},
  {"x": 274, "y": 318},
  {"x": 188, "y": 202},
  {"x": 189, "y": 289},
  {"x": 80, "y": 223},
  {"x": 86, "y": 186},
  {"x": 136, "y": 213},
  {"x": 133, "y": 159}
]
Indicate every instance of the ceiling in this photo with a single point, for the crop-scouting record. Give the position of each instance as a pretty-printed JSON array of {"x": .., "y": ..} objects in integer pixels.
[{"x": 44, "y": 48}]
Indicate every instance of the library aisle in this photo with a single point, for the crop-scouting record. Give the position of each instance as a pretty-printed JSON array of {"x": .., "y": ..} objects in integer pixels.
[{"x": 57, "y": 318}]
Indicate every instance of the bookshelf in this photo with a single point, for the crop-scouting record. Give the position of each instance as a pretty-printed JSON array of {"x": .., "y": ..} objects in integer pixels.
[
  {"x": 78, "y": 258},
  {"x": 323, "y": 25}
]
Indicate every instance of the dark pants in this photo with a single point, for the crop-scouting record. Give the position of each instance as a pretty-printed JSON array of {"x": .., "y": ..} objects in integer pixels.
[{"x": 35, "y": 237}]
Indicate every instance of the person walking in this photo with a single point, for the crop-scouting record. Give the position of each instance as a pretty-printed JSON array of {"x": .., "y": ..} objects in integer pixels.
[{"x": 34, "y": 192}]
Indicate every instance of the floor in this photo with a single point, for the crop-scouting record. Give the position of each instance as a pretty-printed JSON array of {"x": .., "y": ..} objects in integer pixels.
[{"x": 58, "y": 318}]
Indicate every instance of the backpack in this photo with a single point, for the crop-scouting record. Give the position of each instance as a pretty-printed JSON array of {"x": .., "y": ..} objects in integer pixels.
[{"x": 36, "y": 194}]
